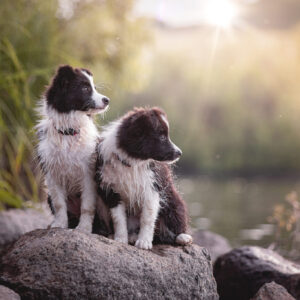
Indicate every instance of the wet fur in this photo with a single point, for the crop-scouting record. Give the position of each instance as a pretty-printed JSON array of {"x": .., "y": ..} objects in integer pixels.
[
  {"x": 68, "y": 161},
  {"x": 135, "y": 180}
]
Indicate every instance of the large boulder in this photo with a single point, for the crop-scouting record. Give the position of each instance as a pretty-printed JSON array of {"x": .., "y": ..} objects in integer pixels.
[
  {"x": 241, "y": 272},
  {"x": 16, "y": 222},
  {"x": 8, "y": 294},
  {"x": 216, "y": 244},
  {"x": 272, "y": 291},
  {"x": 67, "y": 264}
]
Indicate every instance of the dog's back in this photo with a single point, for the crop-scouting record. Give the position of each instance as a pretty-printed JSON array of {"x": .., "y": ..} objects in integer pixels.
[{"x": 172, "y": 202}]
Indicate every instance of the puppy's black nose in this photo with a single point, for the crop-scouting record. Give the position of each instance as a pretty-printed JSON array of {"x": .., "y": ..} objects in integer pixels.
[
  {"x": 178, "y": 152},
  {"x": 105, "y": 100}
]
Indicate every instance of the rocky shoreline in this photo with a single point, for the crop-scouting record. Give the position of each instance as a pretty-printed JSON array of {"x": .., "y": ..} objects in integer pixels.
[{"x": 40, "y": 263}]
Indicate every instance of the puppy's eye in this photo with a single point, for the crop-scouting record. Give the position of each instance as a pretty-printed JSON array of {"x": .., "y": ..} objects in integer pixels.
[
  {"x": 163, "y": 138},
  {"x": 85, "y": 89}
]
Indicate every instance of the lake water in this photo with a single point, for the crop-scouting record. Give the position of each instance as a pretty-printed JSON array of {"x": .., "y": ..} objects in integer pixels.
[{"x": 238, "y": 208}]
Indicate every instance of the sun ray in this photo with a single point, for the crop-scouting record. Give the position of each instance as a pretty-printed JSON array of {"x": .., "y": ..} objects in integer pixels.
[
  {"x": 212, "y": 57},
  {"x": 221, "y": 13}
]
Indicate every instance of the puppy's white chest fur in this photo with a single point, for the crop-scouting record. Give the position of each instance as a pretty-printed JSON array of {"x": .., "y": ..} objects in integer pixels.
[
  {"x": 134, "y": 183},
  {"x": 65, "y": 157}
]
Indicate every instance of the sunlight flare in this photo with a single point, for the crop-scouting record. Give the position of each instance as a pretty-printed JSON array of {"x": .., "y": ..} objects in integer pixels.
[{"x": 221, "y": 13}]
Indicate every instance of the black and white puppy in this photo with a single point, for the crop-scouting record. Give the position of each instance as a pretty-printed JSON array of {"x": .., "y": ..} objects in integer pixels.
[
  {"x": 67, "y": 142},
  {"x": 135, "y": 181}
]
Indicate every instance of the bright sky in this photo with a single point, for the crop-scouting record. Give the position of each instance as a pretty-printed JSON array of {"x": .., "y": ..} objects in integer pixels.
[
  {"x": 173, "y": 12},
  {"x": 190, "y": 12}
]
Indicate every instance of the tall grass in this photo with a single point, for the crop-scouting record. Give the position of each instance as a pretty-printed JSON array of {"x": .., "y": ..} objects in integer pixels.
[
  {"x": 27, "y": 56},
  {"x": 34, "y": 40}
]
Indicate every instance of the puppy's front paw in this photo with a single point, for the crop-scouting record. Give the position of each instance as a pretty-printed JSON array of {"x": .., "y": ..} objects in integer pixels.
[
  {"x": 84, "y": 227},
  {"x": 143, "y": 244},
  {"x": 59, "y": 222},
  {"x": 121, "y": 238},
  {"x": 184, "y": 239}
]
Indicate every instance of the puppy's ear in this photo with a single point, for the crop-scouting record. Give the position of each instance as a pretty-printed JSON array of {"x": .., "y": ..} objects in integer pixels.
[
  {"x": 59, "y": 84},
  {"x": 65, "y": 70},
  {"x": 141, "y": 123},
  {"x": 158, "y": 111},
  {"x": 87, "y": 71},
  {"x": 64, "y": 75},
  {"x": 133, "y": 118}
]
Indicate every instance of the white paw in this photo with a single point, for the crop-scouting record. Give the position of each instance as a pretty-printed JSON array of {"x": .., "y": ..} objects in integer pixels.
[
  {"x": 143, "y": 244},
  {"x": 132, "y": 238},
  {"x": 60, "y": 222},
  {"x": 184, "y": 239},
  {"x": 121, "y": 238},
  {"x": 84, "y": 227}
]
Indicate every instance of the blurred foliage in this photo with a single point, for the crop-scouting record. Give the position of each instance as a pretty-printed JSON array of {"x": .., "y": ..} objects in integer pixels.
[
  {"x": 37, "y": 36},
  {"x": 286, "y": 218},
  {"x": 232, "y": 98}
]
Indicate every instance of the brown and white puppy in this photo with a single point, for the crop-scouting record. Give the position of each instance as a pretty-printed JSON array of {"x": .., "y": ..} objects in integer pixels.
[
  {"x": 67, "y": 142},
  {"x": 135, "y": 181}
]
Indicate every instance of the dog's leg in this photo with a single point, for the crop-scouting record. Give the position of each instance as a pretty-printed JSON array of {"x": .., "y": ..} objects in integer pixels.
[
  {"x": 173, "y": 221},
  {"x": 147, "y": 222},
  {"x": 58, "y": 196},
  {"x": 88, "y": 203},
  {"x": 118, "y": 214}
]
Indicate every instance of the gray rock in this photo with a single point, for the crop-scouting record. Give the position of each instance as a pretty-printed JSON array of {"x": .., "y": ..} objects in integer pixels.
[
  {"x": 214, "y": 243},
  {"x": 16, "y": 222},
  {"x": 8, "y": 294},
  {"x": 241, "y": 273},
  {"x": 272, "y": 291},
  {"x": 67, "y": 264}
]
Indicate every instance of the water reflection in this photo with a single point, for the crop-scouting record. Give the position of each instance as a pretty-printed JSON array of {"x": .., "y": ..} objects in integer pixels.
[
  {"x": 257, "y": 234},
  {"x": 236, "y": 208}
]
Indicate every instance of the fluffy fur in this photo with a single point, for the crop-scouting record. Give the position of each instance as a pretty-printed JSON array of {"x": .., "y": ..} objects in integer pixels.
[
  {"x": 135, "y": 181},
  {"x": 67, "y": 142}
]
